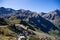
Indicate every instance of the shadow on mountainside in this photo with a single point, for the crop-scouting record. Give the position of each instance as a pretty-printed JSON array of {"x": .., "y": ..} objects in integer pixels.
[{"x": 43, "y": 24}]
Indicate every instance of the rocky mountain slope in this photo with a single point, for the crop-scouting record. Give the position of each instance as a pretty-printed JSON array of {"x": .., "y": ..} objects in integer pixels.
[{"x": 54, "y": 17}]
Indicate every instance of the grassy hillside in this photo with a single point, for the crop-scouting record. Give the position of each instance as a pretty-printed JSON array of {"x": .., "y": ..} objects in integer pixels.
[{"x": 7, "y": 34}]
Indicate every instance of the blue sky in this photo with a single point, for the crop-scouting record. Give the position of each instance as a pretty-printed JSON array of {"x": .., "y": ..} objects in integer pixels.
[{"x": 33, "y": 5}]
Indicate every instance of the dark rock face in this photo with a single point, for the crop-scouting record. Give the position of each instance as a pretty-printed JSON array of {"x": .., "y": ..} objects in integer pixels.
[
  {"x": 44, "y": 24},
  {"x": 2, "y": 21}
]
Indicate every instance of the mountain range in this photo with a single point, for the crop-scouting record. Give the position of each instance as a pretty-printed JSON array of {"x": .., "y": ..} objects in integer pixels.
[
  {"x": 44, "y": 21},
  {"x": 41, "y": 25}
]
